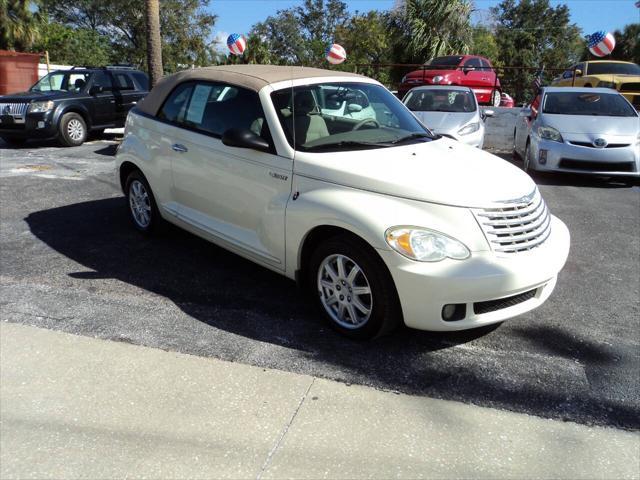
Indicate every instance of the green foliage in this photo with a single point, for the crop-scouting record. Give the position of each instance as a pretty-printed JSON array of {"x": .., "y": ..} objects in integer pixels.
[
  {"x": 532, "y": 33},
  {"x": 19, "y": 25},
  {"x": 184, "y": 24},
  {"x": 627, "y": 44},
  {"x": 484, "y": 44},
  {"x": 73, "y": 46},
  {"x": 300, "y": 35}
]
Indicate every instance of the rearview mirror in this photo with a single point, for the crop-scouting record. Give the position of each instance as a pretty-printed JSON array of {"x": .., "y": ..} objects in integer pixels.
[
  {"x": 244, "y": 138},
  {"x": 96, "y": 89}
]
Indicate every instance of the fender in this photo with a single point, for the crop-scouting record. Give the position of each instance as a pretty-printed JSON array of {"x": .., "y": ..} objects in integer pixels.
[{"x": 77, "y": 107}]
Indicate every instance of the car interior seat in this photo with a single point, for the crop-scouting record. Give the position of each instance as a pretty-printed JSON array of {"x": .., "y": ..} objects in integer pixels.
[
  {"x": 79, "y": 84},
  {"x": 460, "y": 103},
  {"x": 306, "y": 122}
]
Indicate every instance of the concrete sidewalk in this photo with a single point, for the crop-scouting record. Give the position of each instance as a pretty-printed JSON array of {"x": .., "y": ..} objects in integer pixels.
[{"x": 74, "y": 407}]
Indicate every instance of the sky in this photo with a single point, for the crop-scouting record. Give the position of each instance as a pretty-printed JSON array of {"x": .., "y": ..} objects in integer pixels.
[{"x": 237, "y": 16}]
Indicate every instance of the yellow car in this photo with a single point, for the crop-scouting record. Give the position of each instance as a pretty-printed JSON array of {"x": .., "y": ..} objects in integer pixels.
[{"x": 621, "y": 76}]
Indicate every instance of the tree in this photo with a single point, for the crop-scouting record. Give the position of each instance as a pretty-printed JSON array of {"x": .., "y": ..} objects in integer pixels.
[
  {"x": 185, "y": 26},
  {"x": 531, "y": 33},
  {"x": 154, "y": 43},
  {"x": 425, "y": 29},
  {"x": 484, "y": 43},
  {"x": 18, "y": 25},
  {"x": 73, "y": 46},
  {"x": 627, "y": 43},
  {"x": 300, "y": 35}
]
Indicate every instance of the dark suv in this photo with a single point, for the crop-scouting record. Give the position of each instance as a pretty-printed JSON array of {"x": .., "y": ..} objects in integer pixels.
[{"x": 68, "y": 104}]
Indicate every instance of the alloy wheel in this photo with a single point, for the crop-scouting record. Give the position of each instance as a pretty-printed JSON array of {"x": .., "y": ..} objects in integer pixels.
[
  {"x": 75, "y": 129},
  {"x": 139, "y": 204},
  {"x": 344, "y": 291}
]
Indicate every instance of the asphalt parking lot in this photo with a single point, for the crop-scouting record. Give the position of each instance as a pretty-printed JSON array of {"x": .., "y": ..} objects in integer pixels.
[{"x": 70, "y": 261}]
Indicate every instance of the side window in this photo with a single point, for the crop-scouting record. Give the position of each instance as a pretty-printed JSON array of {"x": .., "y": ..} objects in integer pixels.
[
  {"x": 473, "y": 64},
  {"x": 485, "y": 65},
  {"x": 582, "y": 67},
  {"x": 568, "y": 73},
  {"x": 103, "y": 80},
  {"x": 141, "y": 80},
  {"x": 123, "y": 81},
  {"x": 77, "y": 81},
  {"x": 175, "y": 106},
  {"x": 215, "y": 108}
]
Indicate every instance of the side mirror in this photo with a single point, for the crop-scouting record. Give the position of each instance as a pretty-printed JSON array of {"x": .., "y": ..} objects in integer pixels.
[
  {"x": 578, "y": 72},
  {"x": 244, "y": 138},
  {"x": 489, "y": 113},
  {"x": 466, "y": 70},
  {"x": 96, "y": 89},
  {"x": 353, "y": 107}
]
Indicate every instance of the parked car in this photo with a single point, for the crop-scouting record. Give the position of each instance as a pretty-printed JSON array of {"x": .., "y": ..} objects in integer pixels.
[
  {"x": 70, "y": 104},
  {"x": 449, "y": 111},
  {"x": 585, "y": 130},
  {"x": 621, "y": 76},
  {"x": 506, "y": 100},
  {"x": 465, "y": 70},
  {"x": 377, "y": 218}
]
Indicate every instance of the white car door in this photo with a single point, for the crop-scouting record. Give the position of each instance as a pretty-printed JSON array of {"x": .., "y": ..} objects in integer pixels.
[{"x": 236, "y": 196}]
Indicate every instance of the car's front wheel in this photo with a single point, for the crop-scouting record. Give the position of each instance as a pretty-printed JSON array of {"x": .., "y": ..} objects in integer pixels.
[
  {"x": 353, "y": 288},
  {"x": 142, "y": 206},
  {"x": 73, "y": 130},
  {"x": 527, "y": 164}
]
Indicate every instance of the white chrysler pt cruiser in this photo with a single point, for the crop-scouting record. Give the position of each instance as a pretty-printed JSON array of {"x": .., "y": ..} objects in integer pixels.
[{"x": 327, "y": 178}]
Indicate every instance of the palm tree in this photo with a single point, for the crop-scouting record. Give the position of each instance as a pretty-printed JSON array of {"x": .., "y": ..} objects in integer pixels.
[
  {"x": 18, "y": 25},
  {"x": 154, "y": 41}
]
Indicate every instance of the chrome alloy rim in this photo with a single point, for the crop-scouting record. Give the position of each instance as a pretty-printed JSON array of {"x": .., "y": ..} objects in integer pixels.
[
  {"x": 344, "y": 291},
  {"x": 75, "y": 129},
  {"x": 139, "y": 204}
]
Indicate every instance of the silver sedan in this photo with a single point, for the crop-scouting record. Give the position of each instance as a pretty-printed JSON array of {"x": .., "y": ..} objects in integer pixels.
[
  {"x": 579, "y": 130},
  {"x": 449, "y": 111}
]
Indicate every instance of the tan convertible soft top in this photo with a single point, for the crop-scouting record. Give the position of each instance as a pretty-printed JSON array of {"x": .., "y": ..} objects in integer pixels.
[{"x": 253, "y": 77}]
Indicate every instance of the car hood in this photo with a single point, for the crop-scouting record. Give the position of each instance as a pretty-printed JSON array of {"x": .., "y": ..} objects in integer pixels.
[
  {"x": 443, "y": 171},
  {"x": 24, "y": 97},
  {"x": 445, "y": 122},
  {"x": 595, "y": 125}
]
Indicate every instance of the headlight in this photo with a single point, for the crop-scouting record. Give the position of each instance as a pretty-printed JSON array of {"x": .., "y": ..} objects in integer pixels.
[
  {"x": 604, "y": 84},
  {"x": 437, "y": 79},
  {"x": 425, "y": 245},
  {"x": 39, "y": 107},
  {"x": 549, "y": 133},
  {"x": 467, "y": 129}
]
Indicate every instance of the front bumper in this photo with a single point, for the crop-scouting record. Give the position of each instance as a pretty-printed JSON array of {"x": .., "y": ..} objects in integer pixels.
[
  {"x": 425, "y": 288},
  {"x": 570, "y": 158},
  {"x": 32, "y": 126}
]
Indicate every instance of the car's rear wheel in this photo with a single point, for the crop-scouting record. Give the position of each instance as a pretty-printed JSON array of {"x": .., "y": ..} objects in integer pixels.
[
  {"x": 143, "y": 209},
  {"x": 515, "y": 153},
  {"x": 495, "y": 98},
  {"x": 72, "y": 130},
  {"x": 353, "y": 288}
]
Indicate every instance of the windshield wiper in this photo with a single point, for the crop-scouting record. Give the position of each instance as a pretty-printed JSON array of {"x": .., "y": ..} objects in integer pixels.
[
  {"x": 346, "y": 143},
  {"x": 411, "y": 137}
]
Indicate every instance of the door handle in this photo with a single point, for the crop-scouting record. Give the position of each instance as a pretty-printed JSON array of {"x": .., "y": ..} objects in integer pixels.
[{"x": 179, "y": 148}]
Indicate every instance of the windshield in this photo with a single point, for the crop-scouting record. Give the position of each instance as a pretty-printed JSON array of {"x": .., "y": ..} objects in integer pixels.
[
  {"x": 440, "y": 100},
  {"x": 61, "y": 81},
  {"x": 581, "y": 103},
  {"x": 345, "y": 116},
  {"x": 613, "y": 68},
  {"x": 450, "y": 61}
]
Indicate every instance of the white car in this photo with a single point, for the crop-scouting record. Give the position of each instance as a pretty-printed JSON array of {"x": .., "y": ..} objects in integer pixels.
[
  {"x": 381, "y": 221},
  {"x": 579, "y": 130},
  {"x": 450, "y": 111}
]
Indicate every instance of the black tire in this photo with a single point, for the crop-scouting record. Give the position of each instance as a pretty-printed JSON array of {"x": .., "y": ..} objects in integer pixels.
[
  {"x": 385, "y": 311},
  {"x": 14, "y": 142},
  {"x": 156, "y": 223},
  {"x": 72, "y": 131},
  {"x": 526, "y": 160},
  {"x": 515, "y": 155}
]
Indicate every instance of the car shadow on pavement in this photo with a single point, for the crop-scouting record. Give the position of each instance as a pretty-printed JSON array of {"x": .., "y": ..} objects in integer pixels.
[
  {"x": 53, "y": 143},
  {"x": 231, "y": 294}
]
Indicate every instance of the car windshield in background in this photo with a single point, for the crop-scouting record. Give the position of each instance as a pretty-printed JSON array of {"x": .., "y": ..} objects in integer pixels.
[
  {"x": 61, "y": 81},
  {"x": 441, "y": 62},
  {"x": 582, "y": 103},
  {"x": 613, "y": 68},
  {"x": 440, "y": 100},
  {"x": 345, "y": 116}
]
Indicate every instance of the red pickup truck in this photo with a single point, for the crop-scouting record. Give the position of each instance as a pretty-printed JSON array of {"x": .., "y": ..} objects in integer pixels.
[{"x": 466, "y": 70}]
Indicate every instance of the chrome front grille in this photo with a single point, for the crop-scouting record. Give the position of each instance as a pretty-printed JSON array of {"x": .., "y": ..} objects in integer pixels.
[
  {"x": 14, "y": 109},
  {"x": 513, "y": 227}
]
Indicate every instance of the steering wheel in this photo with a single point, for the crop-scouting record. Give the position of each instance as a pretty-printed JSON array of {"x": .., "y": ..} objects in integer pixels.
[{"x": 362, "y": 123}]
